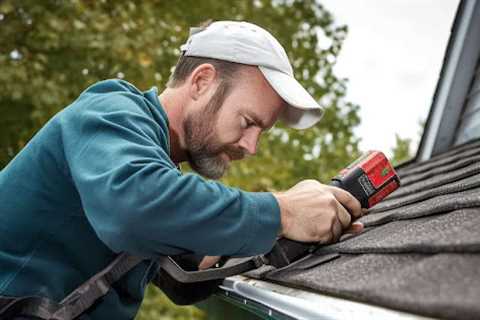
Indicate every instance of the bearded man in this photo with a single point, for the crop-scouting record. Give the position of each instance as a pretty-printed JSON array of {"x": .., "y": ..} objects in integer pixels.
[{"x": 101, "y": 177}]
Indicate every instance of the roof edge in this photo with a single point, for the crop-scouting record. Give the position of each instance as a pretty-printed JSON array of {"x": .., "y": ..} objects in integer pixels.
[
  {"x": 291, "y": 303},
  {"x": 454, "y": 81}
]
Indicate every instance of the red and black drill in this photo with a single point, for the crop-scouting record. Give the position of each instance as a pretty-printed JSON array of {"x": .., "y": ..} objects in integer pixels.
[{"x": 369, "y": 179}]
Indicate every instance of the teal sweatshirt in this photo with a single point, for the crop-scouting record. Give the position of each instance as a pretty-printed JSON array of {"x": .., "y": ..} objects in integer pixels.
[{"x": 97, "y": 180}]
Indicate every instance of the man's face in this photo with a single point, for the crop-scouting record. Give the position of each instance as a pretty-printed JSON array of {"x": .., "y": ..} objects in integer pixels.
[{"x": 228, "y": 128}]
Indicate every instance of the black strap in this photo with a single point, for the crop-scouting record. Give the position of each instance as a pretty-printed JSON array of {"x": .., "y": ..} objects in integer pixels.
[
  {"x": 185, "y": 293},
  {"x": 234, "y": 267},
  {"x": 96, "y": 287},
  {"x": 284, "y": 252},
  {"x": 30, "y": 305},
  {"x": 77, "y": 302}
]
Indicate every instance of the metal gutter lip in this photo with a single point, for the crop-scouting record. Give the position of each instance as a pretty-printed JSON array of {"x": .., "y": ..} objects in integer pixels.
[{"x": 299, "y": 304}]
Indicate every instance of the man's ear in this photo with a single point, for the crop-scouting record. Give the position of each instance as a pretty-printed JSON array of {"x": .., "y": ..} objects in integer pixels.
[{"x": 202, "y": 80}]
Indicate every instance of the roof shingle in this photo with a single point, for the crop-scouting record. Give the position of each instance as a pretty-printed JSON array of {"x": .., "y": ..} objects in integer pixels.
[{"x": 420, "y": 251}]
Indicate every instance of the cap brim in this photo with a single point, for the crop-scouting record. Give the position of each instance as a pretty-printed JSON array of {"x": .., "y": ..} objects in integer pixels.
[{"x": 302, "y": 111}]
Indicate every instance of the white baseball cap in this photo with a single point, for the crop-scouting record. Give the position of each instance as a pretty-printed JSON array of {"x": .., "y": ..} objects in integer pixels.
[{"x": 246, "y": 43}]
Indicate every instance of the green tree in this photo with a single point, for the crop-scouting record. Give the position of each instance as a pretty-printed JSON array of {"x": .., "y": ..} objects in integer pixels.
[
  {"x": 51, "y": 50},
  {"x": 401, "y": 152},
  {"x": 403, "y": 149}
]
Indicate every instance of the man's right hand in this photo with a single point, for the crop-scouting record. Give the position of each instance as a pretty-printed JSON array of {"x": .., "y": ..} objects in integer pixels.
[{"x": 315, "y": 212}]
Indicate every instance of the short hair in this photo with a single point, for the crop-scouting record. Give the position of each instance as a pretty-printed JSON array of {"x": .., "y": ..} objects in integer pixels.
[{"x": 226, "y": 70}]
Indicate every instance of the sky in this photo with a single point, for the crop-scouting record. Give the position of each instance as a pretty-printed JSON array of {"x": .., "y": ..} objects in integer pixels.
[{"x": 392, "y": 58}]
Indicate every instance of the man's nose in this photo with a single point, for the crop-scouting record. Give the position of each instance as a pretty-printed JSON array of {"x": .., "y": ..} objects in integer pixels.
[{"x": 249, "y": 142}]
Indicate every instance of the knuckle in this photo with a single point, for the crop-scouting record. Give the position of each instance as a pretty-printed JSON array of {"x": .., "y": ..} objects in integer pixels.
[
  {"x": 309, "y": 181},
  {"x": 331, "y": 200}
]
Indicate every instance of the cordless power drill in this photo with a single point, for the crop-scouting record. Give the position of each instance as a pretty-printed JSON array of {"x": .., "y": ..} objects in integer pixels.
[{"x": 369, "y": 179}]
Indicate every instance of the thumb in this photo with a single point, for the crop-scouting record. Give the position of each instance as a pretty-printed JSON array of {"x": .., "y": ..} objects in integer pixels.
[{"x": 355, "y": 228}]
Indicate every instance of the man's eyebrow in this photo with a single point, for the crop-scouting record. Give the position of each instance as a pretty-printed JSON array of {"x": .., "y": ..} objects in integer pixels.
[{"x": 257, "y": 120}]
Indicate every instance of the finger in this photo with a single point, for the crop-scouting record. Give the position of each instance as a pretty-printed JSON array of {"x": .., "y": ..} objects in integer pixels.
[
  {"x": 344, "y": 216},
  {"x": 329, "y": 237},
  {"x": 348, "y": 201},
  {"x": 208, "y": 261},
  {"x": 355, "y": 228},
  {"x": 364, "y": 211},
  {"x": 336, "y": 230}
]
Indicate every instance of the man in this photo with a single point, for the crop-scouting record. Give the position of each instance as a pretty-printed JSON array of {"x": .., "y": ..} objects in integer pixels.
[{"x": 101, "y": 176}]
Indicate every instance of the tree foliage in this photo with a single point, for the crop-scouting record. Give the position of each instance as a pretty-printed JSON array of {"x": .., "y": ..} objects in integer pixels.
[
  {"x": 401, "y": 152},
  {"x": 51, "y": 50}
]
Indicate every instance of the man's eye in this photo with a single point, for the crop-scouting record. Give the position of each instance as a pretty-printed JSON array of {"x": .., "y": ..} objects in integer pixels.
[{"x": 246, "y": 123}]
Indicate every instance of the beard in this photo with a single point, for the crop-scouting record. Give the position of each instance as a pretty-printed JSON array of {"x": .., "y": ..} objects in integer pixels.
[{"x": 204, "y": 151}]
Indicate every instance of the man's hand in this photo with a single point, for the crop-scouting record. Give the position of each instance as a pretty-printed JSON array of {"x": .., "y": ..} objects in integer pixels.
[
  {"x": 208, "y": 261},
  {"x": 314, "y": 212}
]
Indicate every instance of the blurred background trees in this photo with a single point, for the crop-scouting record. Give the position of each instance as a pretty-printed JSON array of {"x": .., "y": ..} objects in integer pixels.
[
  {"x": 402, "y": 150},
  {"x": 51, "y": 50}
]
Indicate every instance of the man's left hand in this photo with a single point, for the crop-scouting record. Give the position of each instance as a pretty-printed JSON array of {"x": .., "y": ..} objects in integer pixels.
[{"x": 208, "y": 261}]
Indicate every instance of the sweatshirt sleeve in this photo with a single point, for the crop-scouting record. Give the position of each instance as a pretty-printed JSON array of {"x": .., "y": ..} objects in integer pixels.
[{"x": 137, "y": 201}]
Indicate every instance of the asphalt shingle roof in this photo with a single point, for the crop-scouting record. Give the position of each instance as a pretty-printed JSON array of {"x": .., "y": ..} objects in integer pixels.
[{"x": 420, "y": 251}]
